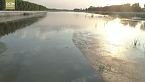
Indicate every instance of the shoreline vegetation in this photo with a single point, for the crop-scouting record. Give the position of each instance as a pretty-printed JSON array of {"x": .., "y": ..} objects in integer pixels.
[
  {"x": 124, "y": 10},
  {"x": 21, "y": 5},
  {"x": 22, "y": 8}
]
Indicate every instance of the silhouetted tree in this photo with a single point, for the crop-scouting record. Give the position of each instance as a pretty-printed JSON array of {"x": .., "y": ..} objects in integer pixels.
[
  {"x": 117, "y": 8},
  {"x": 136, "y": 7}
]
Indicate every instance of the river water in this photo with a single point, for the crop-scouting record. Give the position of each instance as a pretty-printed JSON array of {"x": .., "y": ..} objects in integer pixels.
[{"x": 72, "y": 47}]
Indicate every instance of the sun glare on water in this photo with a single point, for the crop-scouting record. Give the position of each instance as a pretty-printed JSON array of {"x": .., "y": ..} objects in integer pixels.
[
  {"x": 118, "y": 37},
  {"x": 116, "y": 32}
]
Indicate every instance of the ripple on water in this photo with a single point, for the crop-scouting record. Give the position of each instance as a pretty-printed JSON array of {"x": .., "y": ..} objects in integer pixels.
[{"x": 112, "y": 69}]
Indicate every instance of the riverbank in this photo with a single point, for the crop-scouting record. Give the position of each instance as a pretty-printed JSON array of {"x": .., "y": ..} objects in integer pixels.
[
  {"x": 120, "y": 14},
  {"x": 16, "y": 15}
]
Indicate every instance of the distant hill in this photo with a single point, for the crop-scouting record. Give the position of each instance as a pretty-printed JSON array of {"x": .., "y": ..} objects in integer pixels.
[{"x": 24, "y": 6}]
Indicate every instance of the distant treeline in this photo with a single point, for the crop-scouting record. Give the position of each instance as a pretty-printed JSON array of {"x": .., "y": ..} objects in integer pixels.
[
  {"x": 54, "y": 9},
  {"x": 115, "y": 8},
  {"x": 24, "y": 6}
]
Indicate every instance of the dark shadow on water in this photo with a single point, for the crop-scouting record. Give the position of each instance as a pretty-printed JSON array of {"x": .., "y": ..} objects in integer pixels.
[
  {"x": 129, "y": 22},
  {"x": 143, "y": 26},
  {"x": 11, "y": 26},
  {"x": 134, "y": 23},
  {"x": 2, "y": 48},
  {"x": 9, "y": 71}
]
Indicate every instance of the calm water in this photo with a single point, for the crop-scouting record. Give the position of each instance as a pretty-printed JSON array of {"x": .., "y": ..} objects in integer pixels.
[{"x": 52, "y": 48}]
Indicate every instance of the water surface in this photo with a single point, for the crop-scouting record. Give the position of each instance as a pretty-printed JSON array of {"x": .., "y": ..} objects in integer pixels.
[
  {"x": 72, "y": 47},
  {"x": 40, "y": 49}
]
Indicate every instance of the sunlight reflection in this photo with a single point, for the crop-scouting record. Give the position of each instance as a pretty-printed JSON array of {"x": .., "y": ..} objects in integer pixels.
[
  {"x": 116, "y": 32},
  {"x": 118, "y": 37}
]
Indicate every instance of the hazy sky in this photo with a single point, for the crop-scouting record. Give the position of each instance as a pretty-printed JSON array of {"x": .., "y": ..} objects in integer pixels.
[{"x": 70, "y": 4}]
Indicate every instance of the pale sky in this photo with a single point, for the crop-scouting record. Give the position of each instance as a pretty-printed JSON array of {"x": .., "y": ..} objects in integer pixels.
[{"x": 71, "y": 4}]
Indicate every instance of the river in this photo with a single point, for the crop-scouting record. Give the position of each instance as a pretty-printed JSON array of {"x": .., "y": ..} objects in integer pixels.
[{"x": 72, "y": 47}]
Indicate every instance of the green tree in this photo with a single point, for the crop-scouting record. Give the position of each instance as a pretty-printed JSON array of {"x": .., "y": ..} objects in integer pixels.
[{"x": 24, "y": 6}]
